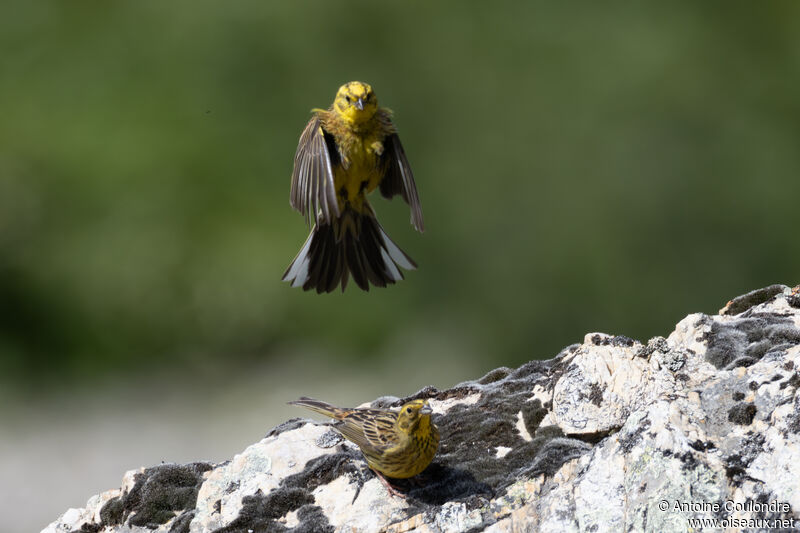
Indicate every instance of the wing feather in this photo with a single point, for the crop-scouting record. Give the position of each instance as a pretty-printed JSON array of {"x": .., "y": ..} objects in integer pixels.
[
  {"x": 400, "y": 180},
  {"x": 312, "y": 192},
  {"x": 370, "y": 429}
]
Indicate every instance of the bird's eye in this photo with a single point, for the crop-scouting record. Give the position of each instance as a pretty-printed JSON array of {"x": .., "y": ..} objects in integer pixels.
[
  {"x": 349, "y": 100},
  {"x": 408, "y": 410}
]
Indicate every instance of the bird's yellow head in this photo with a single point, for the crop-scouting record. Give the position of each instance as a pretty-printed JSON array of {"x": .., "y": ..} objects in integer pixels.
[
  {"x": 355, "y": 102},
  {"x": 415, "y": 416}
]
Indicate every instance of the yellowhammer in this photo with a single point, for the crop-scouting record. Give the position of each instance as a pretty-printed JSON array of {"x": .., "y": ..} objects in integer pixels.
[
  {"x": 395, "y": 444},
  {"x": 345, "y": 153}
]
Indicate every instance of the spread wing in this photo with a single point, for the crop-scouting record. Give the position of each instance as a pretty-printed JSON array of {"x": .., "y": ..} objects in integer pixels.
[
  {"x": 313, "y": 192},
  {"x": 400, "y": 180},
  {"x": 370, "y": 429}
]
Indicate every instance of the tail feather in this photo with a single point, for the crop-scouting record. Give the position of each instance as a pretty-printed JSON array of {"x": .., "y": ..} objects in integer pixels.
[
  {"x": 354, "y": 244},
  {"x": 298, "y": 270},
  {"x": 379, "y": 271},
  {"x": 397, "y": 255},
  {"x": 320, "y": 407},
  {"x": 355, "y": 263}
]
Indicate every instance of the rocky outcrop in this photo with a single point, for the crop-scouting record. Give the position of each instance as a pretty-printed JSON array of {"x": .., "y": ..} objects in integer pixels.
[{"x": 698, "y": 430}]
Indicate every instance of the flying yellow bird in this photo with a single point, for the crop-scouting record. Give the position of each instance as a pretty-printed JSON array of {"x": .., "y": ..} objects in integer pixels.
[
  {"x": 395, "y": 444},
  {"x": 345, "y": 153}
]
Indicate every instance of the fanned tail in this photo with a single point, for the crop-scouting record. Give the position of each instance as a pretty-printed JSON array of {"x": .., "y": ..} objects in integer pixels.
[{"x": 353, "y": 244}]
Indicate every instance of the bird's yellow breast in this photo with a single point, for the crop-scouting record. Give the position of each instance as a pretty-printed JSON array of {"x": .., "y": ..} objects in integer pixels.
[
  {"x": 360, "y": 148},
  {"x": 360, "y": 172}
]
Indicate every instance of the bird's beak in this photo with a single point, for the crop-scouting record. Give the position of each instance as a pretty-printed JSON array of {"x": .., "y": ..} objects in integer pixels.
[
  {"x": 426, "y": 410},
  {"x": 360, "y": 104}
]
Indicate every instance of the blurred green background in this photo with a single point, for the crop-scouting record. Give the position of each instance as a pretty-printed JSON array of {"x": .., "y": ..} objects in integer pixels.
[{"x": 582, "y": 167}]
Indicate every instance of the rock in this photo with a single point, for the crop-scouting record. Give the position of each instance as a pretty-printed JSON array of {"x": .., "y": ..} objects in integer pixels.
[{"x": 609, "y": 435}]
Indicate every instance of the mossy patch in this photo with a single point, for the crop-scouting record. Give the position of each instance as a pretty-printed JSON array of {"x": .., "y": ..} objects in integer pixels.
[
  {"x": 289, "y": 425},
  {"x": 260, "y": 512},
  {"x": 158, "y": 495},
  {"x": 467, "y": 464},
  {"x": 742, "y": 303},
  {"x": 745, "y": 341}
]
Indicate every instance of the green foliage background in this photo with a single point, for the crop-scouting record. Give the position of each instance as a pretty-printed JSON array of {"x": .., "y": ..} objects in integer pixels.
[{"x": 582, "y": 167}]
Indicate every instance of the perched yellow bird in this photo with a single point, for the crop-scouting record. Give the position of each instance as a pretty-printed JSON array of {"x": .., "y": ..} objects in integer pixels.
[
  {"x": 395, "y": 444},
  {"x": 345, "y": 153}
]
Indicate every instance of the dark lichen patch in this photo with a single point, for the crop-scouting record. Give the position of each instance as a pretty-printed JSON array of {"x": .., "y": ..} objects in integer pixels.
[
  {"x": 260, "y": 512},
  {"x": 757, "y": 349},
  {"x": 629, "y": 440},
  {"x": 88, "y": 527},
  {"x": 742, "y": 303},
  {"x": 548, "y": 432},
  {"x": 784, "y": 335},
  {"x": 616, "y": 340},
  {"x": 540, "y": 368},
  {"x": 702, "y": 446},
  {"x": 384, "y": 402},
  {"x": 533, "y": 412},
  {"x": 182, "y": 523},
  {"x": 423, "y": 394},
  {"x": 745, "y": 341},
  {"x": 793, "y": 420},
  {"x": 457, "y": 393},
  {"x": 289, "y": 425},
  {"x": 550, "y": 456},
  {"x": 793, "y": 381},
  {"x": 112, "y": 512},
  {"x": 312, "y": 520},
  {"x": 742, "y": 413},
  {"x": 325, "y": 468},
  {"x": 742, "y": 362},
  {"x": 688, "y": 460},
  {"x": 494, "y": 375},
  {"x": 737, "y": 396},
  {"x": 591, "y": 438},
  {"x": 595, "y": 394},
  {"x": 764, "y": 512},
  {"x": 656, "y": 344},
  {"x": 159, "y": 493},
  {"x": 736, "y": 464}
]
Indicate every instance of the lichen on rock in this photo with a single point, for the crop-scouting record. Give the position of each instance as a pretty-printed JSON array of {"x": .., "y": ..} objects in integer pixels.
[{"x": 611, "y": 434}]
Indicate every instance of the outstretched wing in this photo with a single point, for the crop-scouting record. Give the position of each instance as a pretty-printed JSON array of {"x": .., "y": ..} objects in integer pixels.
[
  {"x": 313, "y": 192},
  {"x": 400, "y": 180}
]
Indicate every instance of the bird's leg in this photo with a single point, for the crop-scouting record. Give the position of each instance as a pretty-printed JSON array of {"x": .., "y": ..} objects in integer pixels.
[{"x": 393, "y": 491}]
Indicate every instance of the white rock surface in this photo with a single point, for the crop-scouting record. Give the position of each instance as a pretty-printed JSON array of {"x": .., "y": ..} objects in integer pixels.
[{"x": 611, "y": 435}]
